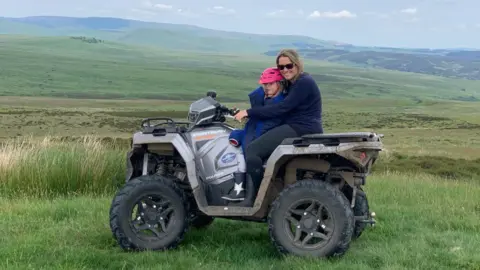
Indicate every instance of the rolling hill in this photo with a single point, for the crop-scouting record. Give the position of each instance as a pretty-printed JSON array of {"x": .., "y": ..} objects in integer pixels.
[
  {"x": 92, "y": 68},
  {"x": 165, "y": 35},
  {"x": 456, "y": 63}
]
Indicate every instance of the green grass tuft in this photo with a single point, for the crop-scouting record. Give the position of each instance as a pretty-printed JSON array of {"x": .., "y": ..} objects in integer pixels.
[
  {"x": 439, "y": 166},
  {"x": 48, "y": 168}
]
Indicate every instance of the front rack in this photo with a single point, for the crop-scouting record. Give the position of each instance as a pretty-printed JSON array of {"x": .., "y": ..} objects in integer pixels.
[{"x": 161, "y": 129}]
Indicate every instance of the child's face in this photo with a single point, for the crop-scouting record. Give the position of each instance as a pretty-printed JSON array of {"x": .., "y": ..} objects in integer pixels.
[{"x": 271, "y": 89}]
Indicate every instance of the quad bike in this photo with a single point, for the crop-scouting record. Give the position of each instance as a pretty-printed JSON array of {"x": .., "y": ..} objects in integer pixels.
[{"x": 179, "y": 172}]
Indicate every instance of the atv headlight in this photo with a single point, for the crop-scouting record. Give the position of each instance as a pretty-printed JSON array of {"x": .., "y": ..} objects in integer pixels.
[{"x": 193, "y": 116}]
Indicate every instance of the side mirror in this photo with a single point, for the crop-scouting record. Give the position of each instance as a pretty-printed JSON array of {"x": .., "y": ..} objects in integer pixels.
[{"x": 212, "y": 94}]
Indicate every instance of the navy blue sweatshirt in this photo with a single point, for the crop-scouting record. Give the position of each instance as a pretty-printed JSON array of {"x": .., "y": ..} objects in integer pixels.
[{"x": 301, "y": 108}]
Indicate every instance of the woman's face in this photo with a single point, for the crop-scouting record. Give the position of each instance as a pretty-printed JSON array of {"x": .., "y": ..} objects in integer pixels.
[{"x": 287, "y": 68}]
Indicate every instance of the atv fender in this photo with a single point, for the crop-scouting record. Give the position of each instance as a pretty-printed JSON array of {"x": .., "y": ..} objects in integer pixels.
[
  {"x": 286, "y": 152},
  {"x": 308, "y": 163},
  {"x": 164, "y": 145}
]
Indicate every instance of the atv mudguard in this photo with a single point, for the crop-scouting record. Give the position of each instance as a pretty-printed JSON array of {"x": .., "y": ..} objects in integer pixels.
[
  {"x": 303, "y": 153},
  {"x": 166, "y": 144}
]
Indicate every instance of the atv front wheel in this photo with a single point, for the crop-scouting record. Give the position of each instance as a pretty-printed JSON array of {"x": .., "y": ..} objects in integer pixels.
[
  {"x": 161, "y": 219},
  {"x": 311, "y": 218}
]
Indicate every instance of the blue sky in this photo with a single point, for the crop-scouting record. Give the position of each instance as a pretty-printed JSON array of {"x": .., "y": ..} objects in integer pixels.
[{"x": 408, "y": 23}]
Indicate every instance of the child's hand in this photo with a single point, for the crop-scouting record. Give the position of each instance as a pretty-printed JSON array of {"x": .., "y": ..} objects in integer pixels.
[{"x": 240, "y": 115}]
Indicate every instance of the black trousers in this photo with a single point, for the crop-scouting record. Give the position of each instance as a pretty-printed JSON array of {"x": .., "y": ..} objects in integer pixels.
[{"x": 261, "y": 148}]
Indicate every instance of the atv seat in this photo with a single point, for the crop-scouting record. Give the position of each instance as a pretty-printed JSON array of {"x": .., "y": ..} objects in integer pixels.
[
  {"x": 349, "y": 135},
  {"x": 330, "y": 139}
]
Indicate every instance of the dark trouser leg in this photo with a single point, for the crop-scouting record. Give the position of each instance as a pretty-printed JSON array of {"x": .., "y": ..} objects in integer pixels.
[{"x": 261, "y": 148}]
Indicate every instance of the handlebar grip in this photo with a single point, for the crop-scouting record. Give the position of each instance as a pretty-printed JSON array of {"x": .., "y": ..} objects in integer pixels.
[{"x": 234, "y": 111}]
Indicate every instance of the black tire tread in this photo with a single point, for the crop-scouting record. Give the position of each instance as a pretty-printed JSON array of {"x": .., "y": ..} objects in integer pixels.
[
  {"x": 361, "y": 208},
  {"x": 342, "y": 246},
  {"x": 119, "y": 197}
]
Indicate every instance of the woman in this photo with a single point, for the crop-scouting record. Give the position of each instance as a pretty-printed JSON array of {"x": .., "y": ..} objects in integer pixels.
[{"x": 301, "y": 111}]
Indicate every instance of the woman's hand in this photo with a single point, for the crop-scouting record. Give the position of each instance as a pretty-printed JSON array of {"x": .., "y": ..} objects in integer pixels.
[{"x": 240, "y": 115}]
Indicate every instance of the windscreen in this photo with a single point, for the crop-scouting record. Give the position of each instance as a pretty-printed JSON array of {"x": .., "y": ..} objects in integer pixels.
[{"x": 203, "y": 104}]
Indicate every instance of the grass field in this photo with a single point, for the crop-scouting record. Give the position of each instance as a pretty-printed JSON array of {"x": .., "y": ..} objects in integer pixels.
[
  {"x": 423, "y": 223},
  {"x": 424, "y": 189},
  {"x": 64, "y": 67},
  {"x": 58, "y": 218}
]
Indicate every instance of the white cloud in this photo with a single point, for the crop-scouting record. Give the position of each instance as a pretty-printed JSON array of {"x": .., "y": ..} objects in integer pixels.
[
  {"x": 163, "y": 6},
  {"x": 409, "y": 10},
  {"x": 282, "y": 13},
  {"x": 221, "y": 10},
  {"x": 148, "y": 4},
  {"x": 187, "y": 13},
  {"x": 332, "y": 15}
]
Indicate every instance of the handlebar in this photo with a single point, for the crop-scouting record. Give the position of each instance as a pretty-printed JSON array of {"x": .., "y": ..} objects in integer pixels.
[
  {"x": 224, "y": 112},
  {"x": 231, "y": 112},
  {"x": 234, "y": 111}
]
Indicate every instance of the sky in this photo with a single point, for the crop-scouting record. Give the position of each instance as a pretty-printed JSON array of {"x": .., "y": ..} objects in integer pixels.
[{"x": 392, "y": 23}]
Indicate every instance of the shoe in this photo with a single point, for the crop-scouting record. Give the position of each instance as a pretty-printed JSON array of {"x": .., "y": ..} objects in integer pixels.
[{"x": 236, "y": 194}]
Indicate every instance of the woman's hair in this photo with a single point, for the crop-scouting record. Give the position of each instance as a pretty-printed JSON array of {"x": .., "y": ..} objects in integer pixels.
[
  {"x": 294, "y": 57},
  {"x": 283, "y": 84}
]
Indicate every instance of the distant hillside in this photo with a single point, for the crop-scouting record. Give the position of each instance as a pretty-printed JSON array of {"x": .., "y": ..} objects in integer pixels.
[
  {"x": 170, "y": 36},
  {"x": 456, "y": 63},
  {"x": 82, "y": 67}
]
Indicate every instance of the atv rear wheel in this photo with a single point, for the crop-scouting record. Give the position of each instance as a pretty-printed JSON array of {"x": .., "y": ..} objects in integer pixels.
[
  {"x": 311, "y": 218},
  {"x": 162, "y": 212},
  {"x": 361, "y": 208}
]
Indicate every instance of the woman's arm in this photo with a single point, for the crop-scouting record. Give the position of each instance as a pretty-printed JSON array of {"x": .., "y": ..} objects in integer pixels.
[{"x": 298, "y": 94}]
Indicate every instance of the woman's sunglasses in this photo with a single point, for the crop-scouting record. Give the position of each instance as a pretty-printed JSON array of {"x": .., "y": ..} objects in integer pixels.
[{"x": 288, "y": 66}]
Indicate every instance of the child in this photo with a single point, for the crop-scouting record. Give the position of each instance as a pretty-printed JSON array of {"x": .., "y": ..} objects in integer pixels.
[{"x": 271, "y": 91}]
